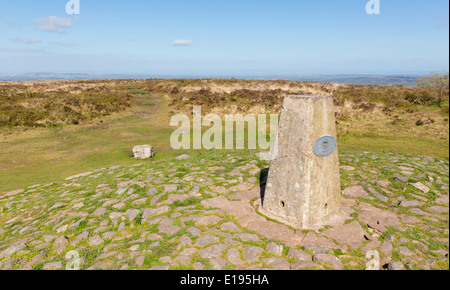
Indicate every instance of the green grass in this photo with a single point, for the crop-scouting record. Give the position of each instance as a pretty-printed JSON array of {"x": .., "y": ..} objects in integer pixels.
[
  {"x": 44, "y": 155},
  {"x": 404, "y": 145},
  {"x": 56, "y": 153}
]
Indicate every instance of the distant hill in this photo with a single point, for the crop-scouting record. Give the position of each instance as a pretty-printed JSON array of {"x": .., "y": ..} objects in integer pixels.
[
  {"x": 382, "y": 81},
  {"x": 55, "y": 76},
  {"x": 340, "y": 79}
]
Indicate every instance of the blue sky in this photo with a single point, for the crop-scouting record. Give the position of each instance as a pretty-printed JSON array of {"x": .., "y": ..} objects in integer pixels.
[{"x": 229, "y": 37}]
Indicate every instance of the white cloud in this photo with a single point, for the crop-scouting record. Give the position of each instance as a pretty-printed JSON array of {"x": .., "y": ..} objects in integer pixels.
[
  {"x": 26, "y": 40},
  {"x": 54, "y": 24},
  {"x": 21, "y": 50},
  {"x": 12, "y": 24},
  {"x": 59, "y": 43},
  {"x": 183, "y": 42}
]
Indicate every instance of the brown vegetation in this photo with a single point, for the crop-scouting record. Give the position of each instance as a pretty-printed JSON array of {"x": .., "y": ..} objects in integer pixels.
[
  {"x": 360, "y": 109},
  {"x": 46, "y": 104}
]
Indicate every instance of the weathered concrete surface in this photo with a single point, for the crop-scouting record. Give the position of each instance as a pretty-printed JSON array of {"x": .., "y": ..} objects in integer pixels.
[{"x": 303, "y": 189}]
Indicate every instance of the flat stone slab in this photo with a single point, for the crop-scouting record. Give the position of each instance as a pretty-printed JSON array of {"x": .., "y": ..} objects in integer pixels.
[
  {"x": 411, "y": 203},
  {"x": 208, "y": 220},
  {"x": 150, "y": 212},
  {"x": 444, "y": 199},
  {"x": 377, "y": 218},
  {"x": 316, "y": 240},
  {"x": 175, "y": 197},
  {"x": 439, "y": 209},
  {"x": 225, "y": 229},
  {"x": 249, "y": 219},
  {"x": 351, "y": 234},
  {"x": 206, "y": 239},
  {"x": 355, "y": 191},
  {"x": 214, "y": 251},
  {"x": 252, "y": 253},
  {"x": 421, "y": 187},
  {"x": 328, "y": 259},
  {"x": 299, "y": 255}
]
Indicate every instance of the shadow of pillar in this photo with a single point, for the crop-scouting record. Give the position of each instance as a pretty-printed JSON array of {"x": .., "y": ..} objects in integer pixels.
[{"x": 264, "y": 173}]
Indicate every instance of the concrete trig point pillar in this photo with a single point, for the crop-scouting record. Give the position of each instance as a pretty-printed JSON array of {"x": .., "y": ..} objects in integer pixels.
[{"x": 303, "y": 186}]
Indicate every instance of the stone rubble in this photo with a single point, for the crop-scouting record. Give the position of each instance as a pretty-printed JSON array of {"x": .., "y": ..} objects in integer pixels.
[{"x": 202, "y": 213}]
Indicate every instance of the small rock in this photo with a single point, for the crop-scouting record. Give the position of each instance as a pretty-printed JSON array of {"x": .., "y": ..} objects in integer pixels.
[
  {"x": 274, "y": 248},
  {"x": 355, "y": 191},
  {"x": 299, "y": 255},
  {"x": 401, "y": 178},
  {"x": 206, "y": 239},
  {"x": 60, "y": 241},
  {"x": 56, "y": 205},
  {"x": 234, "y": 256},
  {"x": 12, "y": 249},
  {"x": 383, "y": 183},
  {"x": 208, "y": 220},
  {"x": 382, "y": 197},
  {"x": 402, "y": 241},
  {"x": 409, "y": 265},
  {"x": 347, "y": 168},
  {"x": 390, "y": 237},
  {"x": 195, "y": 191},
  {"x": 306, "y": 265},
  {"x": 140, "y": 201},
  {"x": 247, "y": 237},
  {"x": 444, "y": 199},
  {"x": 108, "y": 235},
  {"x": 218, "y": 263},
  {"x": 168, "y": 230},
  {"x": 214, "y": 251},
  {"x": 143, "y": 152},
  {"x": 27, "y": 229},
  {"x": 277, "y": 263},
  {"x": 230, "y": 226},
  {"x": 252, "y": 253},
  {"x": 121, "y": 190},
  {"x": 175, "y": 197},
  {"x": 193, "y": 231},
  {"x": 62, "y": 229},
  {"x": 316, "y": 249},
  {"x": 198, "y": 266},
  {"x": 186, "y": 255},
  {"x": 170, "y": 188},
  {"x": 438, "y": 208},
  {"x": 95, "y": 241},
  {"x": 160, "y": 268},
  {"x": 330, "y": 260},
  {"x": 405, "y": 251},
  {"x": 132, "y": 213},
  {"x": 421, "y": 187},
  {"x": 183, "y": 157},
  {"x": 185, "y": 241},
  {"x": 53, "y": 266},
  {"x": 386, "y": 248},
  {"x": 100, "y": 211},
  {"x": 49, "y": 238},
  {"x": 396, "y": 266},
  {"x": 139, "y": 261},
  {"x": 150, "y": 212}
]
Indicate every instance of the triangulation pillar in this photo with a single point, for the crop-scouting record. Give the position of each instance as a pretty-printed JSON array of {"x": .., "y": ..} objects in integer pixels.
[{"x": 303, "y": 185}]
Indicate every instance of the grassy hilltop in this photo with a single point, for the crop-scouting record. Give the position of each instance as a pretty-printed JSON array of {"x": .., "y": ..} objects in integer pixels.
[
  {"x": 53, "y": 129},
  {"x": 68, "y": 182}
]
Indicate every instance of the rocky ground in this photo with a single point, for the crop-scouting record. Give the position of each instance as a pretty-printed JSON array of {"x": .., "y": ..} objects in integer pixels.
[{"x": 201, "y": 213}]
